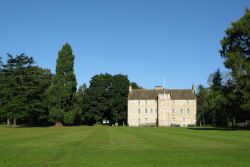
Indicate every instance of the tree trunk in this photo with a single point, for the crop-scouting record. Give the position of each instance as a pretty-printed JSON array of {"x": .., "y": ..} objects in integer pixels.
[
  {"x": 31, "y": 121},
  {"x": 214, "y": 119},
  {"x": 203, "y": 120},
  {"x": 234, "y": 122},
  {"x": 8, "y": 122},
  {"x": 58, "y": 124},
  {"x": 14, "y": 123}
]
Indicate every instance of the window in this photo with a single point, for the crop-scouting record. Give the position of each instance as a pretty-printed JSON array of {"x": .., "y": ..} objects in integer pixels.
[
  {"x": 139, "y": 111},
  {"x": 146, "y": 111},
  {"x": 139, "y": 102},
  {"x": 173, "y": 120},
  {"x": 146, "y": 102},
  {"x": 146, "y": 120},
  {"x": 184, "y": 119},
  {"x": 151, "y": 111},
  {"x": 173, "y": 111},
  {"x": 188, "y": 111},
  {"x": 181, "y": 111},
  {"x": 187, "y": 101},
  {"x": 139, "y": 121}
]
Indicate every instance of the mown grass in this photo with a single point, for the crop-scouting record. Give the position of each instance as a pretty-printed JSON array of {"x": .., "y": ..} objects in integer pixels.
[{"x": 122, "y": 146}]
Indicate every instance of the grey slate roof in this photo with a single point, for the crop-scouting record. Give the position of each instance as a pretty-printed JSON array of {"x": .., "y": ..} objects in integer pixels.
[{"x": 152, "y": 94}]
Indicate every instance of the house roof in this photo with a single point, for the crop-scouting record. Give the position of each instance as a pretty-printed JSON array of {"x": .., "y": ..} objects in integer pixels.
[{"x": 152, "y": 94}]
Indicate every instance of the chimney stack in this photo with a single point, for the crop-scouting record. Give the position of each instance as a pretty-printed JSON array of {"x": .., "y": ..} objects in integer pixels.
[
  {"x": 130, "y": 89},
  {"x": 158, "y": 88},
  {"x": 193, "y": 88}
]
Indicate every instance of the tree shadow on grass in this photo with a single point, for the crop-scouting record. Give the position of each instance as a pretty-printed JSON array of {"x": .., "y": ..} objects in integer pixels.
[
  {"x": 30, "y": 126},
  {"x": 26, "y": 126}
]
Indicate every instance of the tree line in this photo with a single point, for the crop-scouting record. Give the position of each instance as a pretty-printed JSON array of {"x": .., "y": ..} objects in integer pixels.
[
  {"x": 32, "y": 95},
  {"x": 227, "y": 99}
]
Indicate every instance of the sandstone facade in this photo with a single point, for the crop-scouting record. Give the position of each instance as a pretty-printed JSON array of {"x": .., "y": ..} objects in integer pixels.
[{"x": 161, "y": 107}]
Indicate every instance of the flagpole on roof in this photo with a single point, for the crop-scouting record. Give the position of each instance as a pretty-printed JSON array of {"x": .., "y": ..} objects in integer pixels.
[{"x": 164, "y": 82}]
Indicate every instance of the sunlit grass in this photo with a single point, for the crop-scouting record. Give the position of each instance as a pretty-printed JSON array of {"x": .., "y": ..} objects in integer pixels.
[{"x": 122, "y": 146}]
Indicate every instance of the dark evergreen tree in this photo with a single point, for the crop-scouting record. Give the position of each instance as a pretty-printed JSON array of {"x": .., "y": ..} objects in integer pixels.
[
  {"x": 14, "y": 88},
  {"x": 217, "y": 100},
  {"x": 1, "y": 63},
  {"x": 37, "y": 80},
  {"x": 135, "y": 86},
  {"x": 106, "y": 99},
  {"x": 62, "y": 91},
  {"x": 97, "y": 101},
  {"x": 216, "y": 79},
  {"x": 236, "y": 53},
  {"x": 201, "y": 108},
  {"x": 233, "y": 98},
  {"x": 1, "y": 87},
  {"x": 79, "y": 103},
  {"x": 120, "y": 86}
]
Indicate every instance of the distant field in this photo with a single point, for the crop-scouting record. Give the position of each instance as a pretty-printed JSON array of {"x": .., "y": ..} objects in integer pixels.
[{"x": 122, "y": 146}]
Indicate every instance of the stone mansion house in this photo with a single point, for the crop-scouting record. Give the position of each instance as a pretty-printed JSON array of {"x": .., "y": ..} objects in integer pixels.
[{"x": 161, "y": 107}]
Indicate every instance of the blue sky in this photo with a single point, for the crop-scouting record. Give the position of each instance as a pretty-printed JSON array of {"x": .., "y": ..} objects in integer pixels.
[{"x": 144, "y": 39}]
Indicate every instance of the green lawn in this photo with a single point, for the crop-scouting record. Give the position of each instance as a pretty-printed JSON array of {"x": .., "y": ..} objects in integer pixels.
[{"x": 122, "y": 146}]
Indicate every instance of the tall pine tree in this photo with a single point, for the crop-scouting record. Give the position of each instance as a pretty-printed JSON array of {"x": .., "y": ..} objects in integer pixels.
[
  {"x": 63, "y": 89},
  {"x": 236, "y": 54}
]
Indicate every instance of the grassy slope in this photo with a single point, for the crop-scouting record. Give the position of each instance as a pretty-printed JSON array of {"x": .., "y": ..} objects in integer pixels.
[{"x": 122, "y": 146}]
